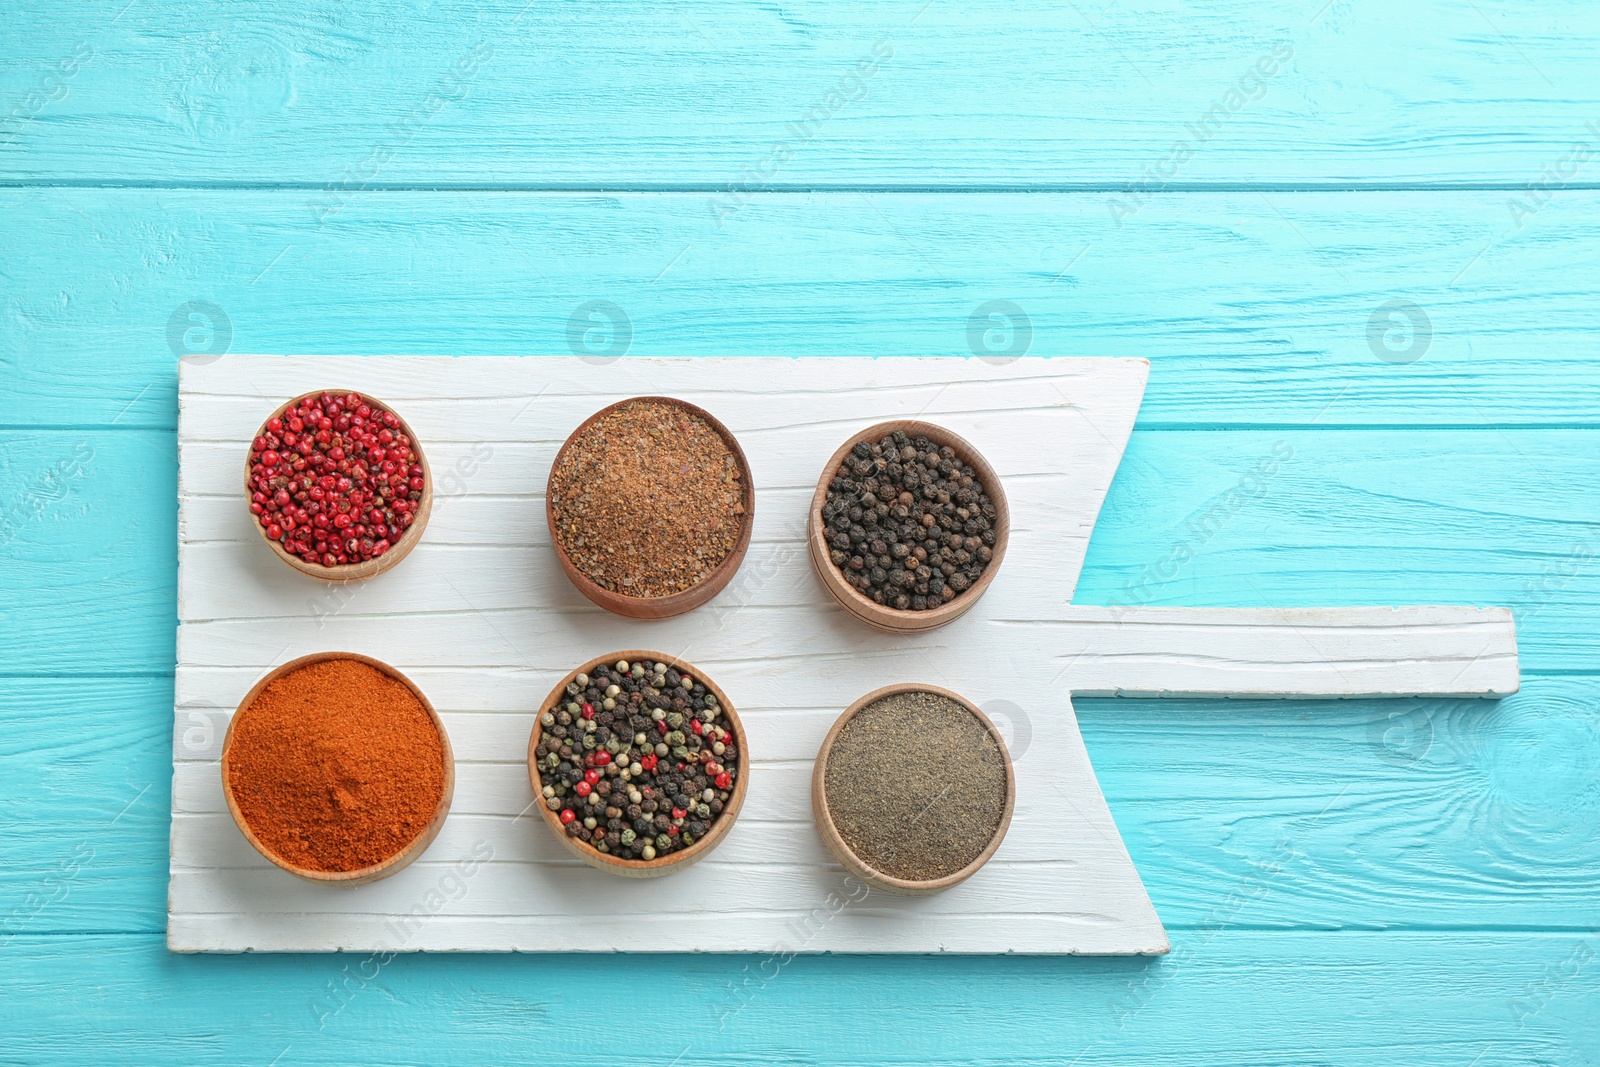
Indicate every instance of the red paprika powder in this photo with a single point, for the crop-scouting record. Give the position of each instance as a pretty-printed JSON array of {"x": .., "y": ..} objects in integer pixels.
[{"x": 335, "y": 766}]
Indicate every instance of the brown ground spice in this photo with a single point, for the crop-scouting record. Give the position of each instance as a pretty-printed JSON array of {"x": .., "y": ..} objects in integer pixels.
[
  {"x": 336, "y": 766},
  {"x": 915, "y": 785},
  {"x": 648, "y": 499}
]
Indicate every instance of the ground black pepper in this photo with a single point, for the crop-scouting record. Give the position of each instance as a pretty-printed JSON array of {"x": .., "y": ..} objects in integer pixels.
[
  {"x": 637, "y": 759},
  {"x": 916, "y": 785},
  {"x": 908, "y": 523}
]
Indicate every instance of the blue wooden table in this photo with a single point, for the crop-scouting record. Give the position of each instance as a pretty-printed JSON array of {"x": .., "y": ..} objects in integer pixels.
[{"x": 1369, "y": 230}]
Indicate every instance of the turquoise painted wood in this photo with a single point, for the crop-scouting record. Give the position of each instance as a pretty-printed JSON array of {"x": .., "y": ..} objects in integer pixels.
[
  {"x": 1255, "y": 309},
  {"x": 1368, "y": 882},
  {"x": 736, "y": 97}
]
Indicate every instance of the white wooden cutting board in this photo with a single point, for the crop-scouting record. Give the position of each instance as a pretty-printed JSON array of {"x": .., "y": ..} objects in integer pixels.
[{"x": 480, "y": 617}]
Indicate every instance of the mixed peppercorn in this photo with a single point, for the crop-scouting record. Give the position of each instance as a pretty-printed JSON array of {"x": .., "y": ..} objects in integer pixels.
[
  {"x": 636, "y": 759},
  {"x": 335, "y": 479},
  {"x": 908, "y": 523}
]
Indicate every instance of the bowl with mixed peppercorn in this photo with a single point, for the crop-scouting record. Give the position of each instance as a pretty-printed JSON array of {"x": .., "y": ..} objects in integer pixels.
[
  {"x": 337, "y": 485},
  {"x": 638, "y": 763},
  {"x": 908, "y": 526}
]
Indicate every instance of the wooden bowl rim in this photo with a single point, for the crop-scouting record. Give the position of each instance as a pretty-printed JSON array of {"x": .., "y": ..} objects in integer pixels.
[
  {"x": 841, "y": 848},
  {"x": 400, "y": 859},
  {"x": 896, "y": 620},
  {"x": 672, "y": 860},
  {"x": 674, "y": 603},
  {"x": 350, "y": 572}
]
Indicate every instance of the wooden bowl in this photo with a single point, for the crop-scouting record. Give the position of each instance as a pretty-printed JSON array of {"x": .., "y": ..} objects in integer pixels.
[
  {"x": 672, "y": 861},
  {"x": 351, "y": 572},
  {"x": 664, "y": 607},
  {"x": 836, "y": 842},
  {"x": 400, "y": 859},
  {"x": 894, "y": 620}
]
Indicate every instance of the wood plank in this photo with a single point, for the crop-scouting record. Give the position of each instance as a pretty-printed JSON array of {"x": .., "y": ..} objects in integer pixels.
[
  {"x": 1245, "y": 652},
  {"x": 1285, "y": 652},
  {"x": 1419, "y": 814},
  {"x": 107, "y": 604},
  {"x": 728, "y": 97},
  {"x": 1393, "y": 517},
  {"x": 1506, "y": 999},
  {"x": 96, "y": 275}
]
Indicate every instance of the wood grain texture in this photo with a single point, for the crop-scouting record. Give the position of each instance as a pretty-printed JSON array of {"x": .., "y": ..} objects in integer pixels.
[
  {"x": 1379, "y": 517},
  {"x": 1394, "y": 815},
  {"x": 1284, "y": 652},
  {"x": 1522, "y": 999},
  {"x": 731, "y": 97},
  {"x": 1254, "y": 308},
  {"x": 1066, "y": 887},
  {"x": 1462, "y": 831}
]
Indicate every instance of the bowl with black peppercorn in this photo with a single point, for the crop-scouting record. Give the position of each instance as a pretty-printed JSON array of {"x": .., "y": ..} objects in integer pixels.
[
  {"x": 908, "y": 526},
  {"x": 638, "y": 763},
  {"x": 338, "y": 485}
]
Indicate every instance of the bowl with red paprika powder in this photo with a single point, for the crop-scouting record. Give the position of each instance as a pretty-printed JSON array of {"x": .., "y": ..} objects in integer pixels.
[
  {"x": 650, "y": 505},
  {"x": 638, "y": 763},
  {"x": 337, "y": 485},
  {"x": 337, "y": 768}
]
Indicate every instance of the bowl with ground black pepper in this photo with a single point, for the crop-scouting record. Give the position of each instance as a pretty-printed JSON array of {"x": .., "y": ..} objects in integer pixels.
[
  {"x": 907, "y": 526},
  {"x": 337, "y": 485},
  {"x": 913, "y": 789},
  {"x": 650, "y": 505},
  {"x": 337, "y": 769},
  {"x": 638, "y": 763}
]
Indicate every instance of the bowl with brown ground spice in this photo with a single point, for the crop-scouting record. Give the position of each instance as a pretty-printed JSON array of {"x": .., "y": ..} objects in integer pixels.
[
  {"x": 638, "y": 763},
  {"x": 907, "y": 526},
  {"x": 913, "y": 789},
  {"x": 337, "y": 769},
  {"x": 650, "y": 505},
  {"x": 337, "y": 485}
]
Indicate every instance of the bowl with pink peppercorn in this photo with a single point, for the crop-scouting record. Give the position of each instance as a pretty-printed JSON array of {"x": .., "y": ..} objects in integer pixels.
[{"x": 337, "y": 485}]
